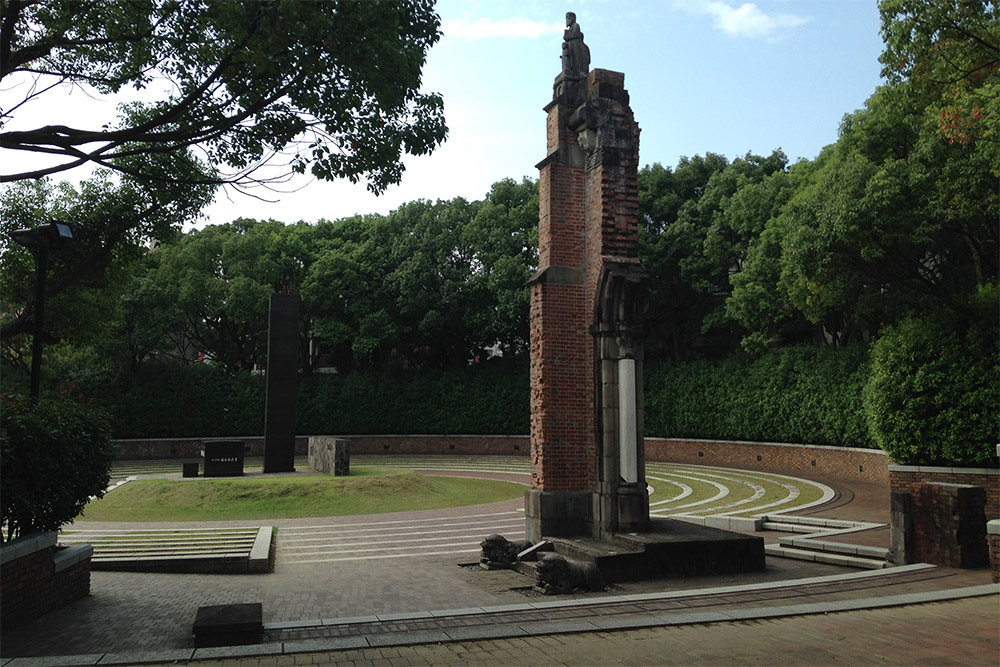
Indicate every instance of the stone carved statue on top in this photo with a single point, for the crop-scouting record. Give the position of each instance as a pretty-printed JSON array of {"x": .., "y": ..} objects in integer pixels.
[{"x": 575, "y": 54}]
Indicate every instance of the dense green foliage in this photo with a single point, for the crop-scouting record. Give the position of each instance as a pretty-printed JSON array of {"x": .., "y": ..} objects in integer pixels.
[
  {"x": 802, "y": 394},
  {"x": 328, "y": 86},
  {"x": 53, "y": 457},
  {"x": 934, "y": 390},
  {"x": 169, "y": 400},
  {"x": 430, "y": 285}
]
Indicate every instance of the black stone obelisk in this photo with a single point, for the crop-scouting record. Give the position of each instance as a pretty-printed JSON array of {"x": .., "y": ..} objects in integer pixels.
[{"x": 282, "y": 383}]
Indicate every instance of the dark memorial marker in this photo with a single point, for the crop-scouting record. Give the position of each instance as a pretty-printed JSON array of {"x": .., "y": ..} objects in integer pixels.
[
  {"x": 282, "y": 383},
  {"x": 223, "y": 458},
  {"x": 228, "y": 625}
]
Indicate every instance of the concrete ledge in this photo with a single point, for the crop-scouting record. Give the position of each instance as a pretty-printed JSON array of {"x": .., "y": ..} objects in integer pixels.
[
  {"x": 27, "y": 545},
  {"x": 260, "y": 552},
  {"x": 944, "y": 470},
  {"x": 70, "y": 556},
  {"x": 740, "y": 523},
  {"x": 993, "y": 527}
]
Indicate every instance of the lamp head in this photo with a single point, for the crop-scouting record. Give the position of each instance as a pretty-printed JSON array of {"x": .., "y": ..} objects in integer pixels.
[{"x": 50, "y": 236}]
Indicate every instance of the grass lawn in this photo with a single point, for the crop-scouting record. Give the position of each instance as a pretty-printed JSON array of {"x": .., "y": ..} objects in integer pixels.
[{"x": 369, "y": 490}]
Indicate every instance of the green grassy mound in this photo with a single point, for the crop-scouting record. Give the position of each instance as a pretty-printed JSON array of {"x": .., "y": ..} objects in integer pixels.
[{"x": 366, "y": 491}]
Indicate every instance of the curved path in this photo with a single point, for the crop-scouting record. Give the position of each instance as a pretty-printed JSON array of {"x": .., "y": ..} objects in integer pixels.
[
  {"x": 423, "y": 609},
  {"x": 675, "y": 490}
]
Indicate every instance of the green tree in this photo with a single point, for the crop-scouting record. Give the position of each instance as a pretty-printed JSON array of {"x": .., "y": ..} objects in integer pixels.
[
  {"x": 695, "y": 233},
  {"x": 217, "y": 282},
  {"x": 113, "y": 221},
  {"x": 897, "y": 219},
  {"x": 757, "y": 301},
  {"x": 330, "y": 86},
  {"x": 503, "y": 237},
  {"x": 932, "y": 395},
  {"x": 676, "y": 307},
  {"x": 948, "y": 52}
]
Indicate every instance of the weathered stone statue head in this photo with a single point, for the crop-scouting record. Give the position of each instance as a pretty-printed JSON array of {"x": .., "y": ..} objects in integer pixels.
[{"x": 575, "y": 54}]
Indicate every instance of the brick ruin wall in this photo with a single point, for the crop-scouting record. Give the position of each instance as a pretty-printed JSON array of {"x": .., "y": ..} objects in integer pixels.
[{"x": 909, "y": 478}]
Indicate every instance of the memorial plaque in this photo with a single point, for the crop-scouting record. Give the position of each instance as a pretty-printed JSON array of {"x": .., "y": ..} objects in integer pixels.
[{"x": 223, "y": 458}]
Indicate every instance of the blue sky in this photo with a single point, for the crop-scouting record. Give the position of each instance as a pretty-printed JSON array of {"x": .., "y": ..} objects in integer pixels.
[{"x": 703, "y": 75}]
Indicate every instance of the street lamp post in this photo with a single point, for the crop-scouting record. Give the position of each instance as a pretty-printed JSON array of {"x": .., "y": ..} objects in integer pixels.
[{"x": 40, "y": 241}]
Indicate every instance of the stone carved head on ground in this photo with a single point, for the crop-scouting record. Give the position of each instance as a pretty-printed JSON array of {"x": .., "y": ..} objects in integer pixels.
[
  {"x": 556, "y": 574},
  {"x": 499, "y": 552}
]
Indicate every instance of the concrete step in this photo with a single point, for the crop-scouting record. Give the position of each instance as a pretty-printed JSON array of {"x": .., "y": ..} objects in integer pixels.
[
  {"x": 226, "y": 553},
  {"x": 877, "y": 553},
  {"x": 788, "y": 527},
  {"x": 825, "y": 557}
]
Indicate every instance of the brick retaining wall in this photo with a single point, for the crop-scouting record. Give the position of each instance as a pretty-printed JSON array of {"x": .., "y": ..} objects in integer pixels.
[
  {"x": 869, "y": 465},
  {"x": 37, "y": 577},
  {"x": 908, "y": 478},
  {"x": 861, "y": 464}
]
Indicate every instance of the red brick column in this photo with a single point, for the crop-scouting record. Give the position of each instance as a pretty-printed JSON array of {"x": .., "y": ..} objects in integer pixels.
[
  {"x": 588, "y": 221},
  {"x": 561, "y": 348}
]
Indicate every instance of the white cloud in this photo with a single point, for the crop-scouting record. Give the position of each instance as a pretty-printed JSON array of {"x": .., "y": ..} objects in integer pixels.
[
  {"x": 513, "y": 27},
  {"x": 747, "y": 20}
]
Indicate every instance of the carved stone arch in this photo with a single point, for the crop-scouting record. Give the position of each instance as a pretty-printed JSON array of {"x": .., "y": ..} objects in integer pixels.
[{"x": 621, "y": 504}]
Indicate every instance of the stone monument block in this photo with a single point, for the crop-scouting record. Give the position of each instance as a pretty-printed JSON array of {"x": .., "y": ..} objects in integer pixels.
[
  {"x": 949, "y": 524},
  {"x": 328, "y": 455},
  {"x": 282, "y": 383}
]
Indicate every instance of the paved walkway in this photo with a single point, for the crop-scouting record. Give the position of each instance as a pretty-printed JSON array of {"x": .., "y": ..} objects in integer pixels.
[{"x": 425, "y": 609}]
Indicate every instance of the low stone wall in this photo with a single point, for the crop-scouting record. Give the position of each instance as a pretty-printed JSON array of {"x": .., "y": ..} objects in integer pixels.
[
  {"x": 868, "y": 465},
  {"x": 908, "y": 478},
  {"x": 37, "y": 577}
]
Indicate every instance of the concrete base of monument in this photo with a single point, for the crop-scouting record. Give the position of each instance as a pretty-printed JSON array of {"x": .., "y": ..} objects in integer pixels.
[{"x": 670, "y": 548}]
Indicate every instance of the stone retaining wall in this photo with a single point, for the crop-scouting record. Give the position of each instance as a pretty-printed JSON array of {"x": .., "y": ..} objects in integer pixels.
[
  {"x": 908, "y": 478},
  {"x": 36, "y": 577}
]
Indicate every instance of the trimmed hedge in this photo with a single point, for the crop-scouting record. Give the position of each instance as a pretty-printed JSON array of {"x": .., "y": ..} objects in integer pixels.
[
  {"x": 478, "y": 400},
  {"x": 176, "y": 401},
  {"x": 803, "y": 394},
  {"x": 165, "y": 401}
]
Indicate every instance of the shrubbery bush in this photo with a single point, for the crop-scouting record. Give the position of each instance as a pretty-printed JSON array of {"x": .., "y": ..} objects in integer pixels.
[
  {"x": 934, "y": 390},
  {"x": 53, "y": 457}
]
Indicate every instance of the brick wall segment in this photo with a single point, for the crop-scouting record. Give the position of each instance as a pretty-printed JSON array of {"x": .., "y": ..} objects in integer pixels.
[
  {"x": 909, "y": 478},
  {"x": 31, "y": 583}
]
